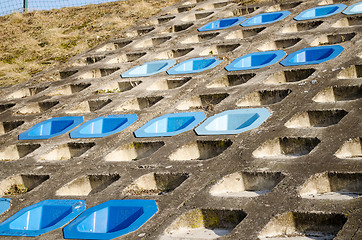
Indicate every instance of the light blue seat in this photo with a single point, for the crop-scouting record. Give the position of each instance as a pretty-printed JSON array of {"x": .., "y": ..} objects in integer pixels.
[
  {"x": 170, "y": 124},
  {"x": 320, "y": 12},
  {"x": 265, "y": 18},
  {"x": 51, "y": 128},
  {"x": 111, "y": 219},
  {"x": 149, "y": 68},
  {"x": 312, "y": 55},
  {"x": 41, "y": 217},
  {"x": 353, "y": 9},
  {"x": 233, "y": 121},
  {"x": 221, "y": 24},
  {"x": 255, "y": 60},
  {"x": 104, "y": 126},
  {"x": 194, "y": 65},
  {"x": 4, "y": 205}
]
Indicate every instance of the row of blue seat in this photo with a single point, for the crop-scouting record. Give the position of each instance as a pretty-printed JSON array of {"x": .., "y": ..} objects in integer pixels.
[
  {"x": 227, "y": 122},
  {"x": 107, "y": 220}
]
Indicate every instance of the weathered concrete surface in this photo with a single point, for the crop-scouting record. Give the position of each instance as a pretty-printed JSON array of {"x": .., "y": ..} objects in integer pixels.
[{"x": 304, "y": 140}]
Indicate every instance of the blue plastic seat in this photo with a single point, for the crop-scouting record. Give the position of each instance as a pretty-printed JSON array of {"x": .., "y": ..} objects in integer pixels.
[
  {"x": 312, "y": 55},
  {"x": 255, "y": 60},
  {"x": 233, "y": 121},
  {"x": 111, "y": 219},
  {"x": 221, "y": 24},
  {"x": 320, "y": 12},
  {"x": 42, "y": 217},
  {"x": 265, "y": 18},
  {"x": 51, "y": 128},
  {"x": 170, "y": 124},
  {"x": 149, "y": 68},
  {"x": 4, "y": 204},
  {"x": 194, "y": 65},
  {"x": 104, "y": 126},
  {"x": 353, "y": 9}
]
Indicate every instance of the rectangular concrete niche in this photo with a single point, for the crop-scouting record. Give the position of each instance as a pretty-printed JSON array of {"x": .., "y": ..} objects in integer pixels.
[
  {"x": 127, "y": 57},
  {"x": 289, "y": 76},
  {"x": 231, "y": 80},
  {"x": 156, "y": 183},
  {"x": 246, "y": 33},
  {"x": 206, "y": 102},
  {"x": 19, "y": 184},
  {"x": 113, "y": 46},
  {"x": 170, "y": 54},
  {"x": 351, "y": 149},
  {"x": 88, "y": 60},
  {"x": 17, "y": 151},
  {"x": 67, "y": 73},
  {"x": 178, "y": 28},
  {"x": 164, "y": 19},
  {"x": 204, "y": 224},
  {"x": 138, "y": 103},
  {"x": 218, "y": 49},
  {"x": 66, "y": 151},
  {"x": 244, "y": 11},
  {"x": 279, "y": 44},
  {"x": 303, "y": 226},
  {"x": 216, "y": 5},
  {"x": 195, "y": 17},
  {"x": 338, "y": 94},
  {"x": 133, "y": 151},
  {"x": 166, "y": 84},
  {"x": 89, "y": 106},
  {"x": 302, "y": 26},
  {"x": 98, "y": 73},
  {"x": 316, "y": 118},
  {"x": 26, "y": 92},
  {"x": 287, "y": 147},
  {"x": 283, "y": 6},
  {"x": 153, "y": 42},
  {"x": 140, "y": 32},
  {"x": 200, "y": 150},
  {"x": 182, "y": 9},
  {"x": 87, "y": 184},
  {"x": 333, "y": 186},
  {"x": 4, "y": 107},
  {"x": 6, "y": 127},
  {"x": 38, "y": 107},
  {"x": 353, "y": 71},
  {"x": 199, "y": 38},
  {"x": 246, "y": 184},
  {"x": 348, "y": 21},
  {"x": 117, "y": 87},
  {"x": 68, "y": 89},
  {"x": 332, "y": 39},
  {"x": 264, "y": 97}
]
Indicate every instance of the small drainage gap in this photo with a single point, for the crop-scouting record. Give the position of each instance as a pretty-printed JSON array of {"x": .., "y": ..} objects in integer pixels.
[
  {"x": 195, "y": 17},
  {"x": 98, "y": 73},
  {"x": 178, "y": 28},
  {"x": 128, "y": 57},
  {"x": 67, "y": 73},
  {"x": 173, "y": 53},
  {"x": 200, "y": 150},
  {"x": 118, "y": 87},
  {"x": 241, "y": 34},
  {"x": 26, "y": 92},
  {"x": 166, "y": 84},
  {"x": 246, "y": 184},
  {"x": 87, "y": 184},
  {"x": 156, "y": 183},
  {"x": 317, "y": 118},
  {"x": 205, "y": 102},
  {"x": 339, "y": 93},
  {"x": 231, "y": 80},
  {"x": 199, "y": 38},
  {"x": 15, "y": 152},
  {"x": 279, "y": 44},
  {"x": 283, "y": 6},
  {"x": 300, "y": 27},
  {"x": 66, "y": 151},
  {"x": 352, "y": 149},
  {"x": 165, "y": 19},
  {"x": 19, "y": 184},
  {"x": 265, "y": 97},
  {"x": 348, "y": 21},
  {"x": 332, "y": 39},
  {"x": 6, "y": 127},
  {"x": 153, "y": 42},
  {"x": 354, "y": 71},
  {"x": 133, "y": 151},
  {"x": 69, "y": 89},
  {"x": 244, "y": 11},
  {"x": 139, "y": 103},
  {"x": 4, "y": 107},
  {"x": 287, "y": 146},
  {"x": 113, "y": 46},
  {"x": 289, "y": 76},
  {"x": 219, "y": 49},
  {"x": 33, "y": 108},
  {"x": 89, "y": 106}
]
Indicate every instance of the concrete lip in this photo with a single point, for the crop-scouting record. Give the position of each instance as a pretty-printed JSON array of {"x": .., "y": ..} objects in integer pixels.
[
  {"x": 170, "y": 124},
  {"x": 233, "y": 121},
  {"x": 149, "y": 68},
  {"x": 4, "y": 205},
  {"x": 111, "y": 219},
  {"x": 320, "y": 12},
  {"x": 255, "y": 60},
  {"x": 353, "y": 9},
  {"x": 194, "y": 65},
  {"x": 104, "y": 126},
  {"x": 41, "y": 217},
  {"x": 265, "y": 18},
  {"x": 312, "y": 55},
  {"x": 51, "y": 128},
  {"x": 221, "y": 24}
]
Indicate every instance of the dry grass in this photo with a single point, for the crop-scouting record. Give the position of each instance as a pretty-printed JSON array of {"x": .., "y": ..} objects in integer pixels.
[{"x": 35, "y": 41}]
